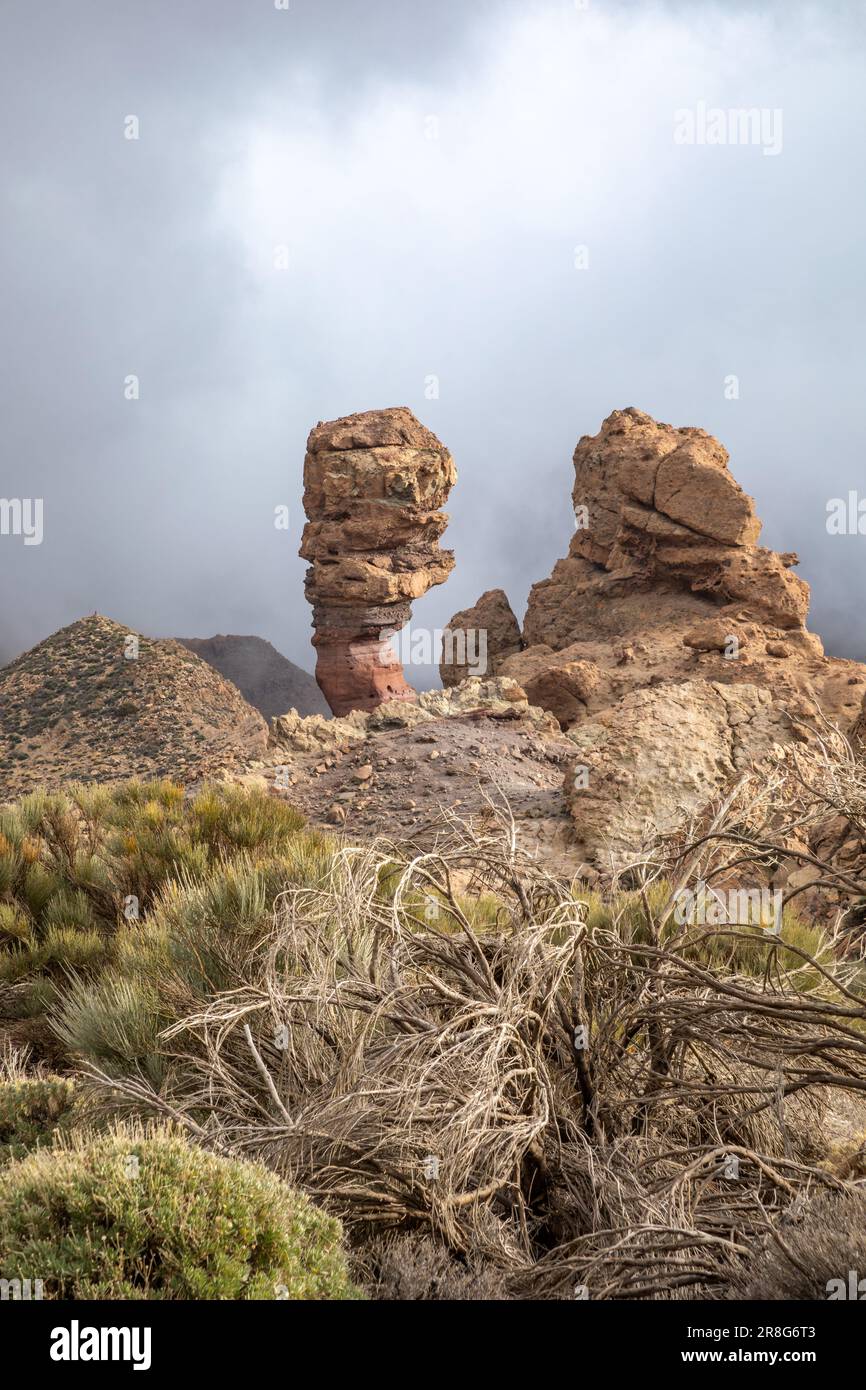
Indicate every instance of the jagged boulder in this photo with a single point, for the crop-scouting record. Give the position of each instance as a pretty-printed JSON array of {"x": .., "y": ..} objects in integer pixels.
[
  {"x": 659, "y": 516},
  {"x": 665, "y": 581},
  {"x": 496, "y": 696},
  {"x": 562, "y": 682},
  {"x": 374, "y": 484},
  {"x": 313, "y": 734},
  {"x": 479, "y": 639}
]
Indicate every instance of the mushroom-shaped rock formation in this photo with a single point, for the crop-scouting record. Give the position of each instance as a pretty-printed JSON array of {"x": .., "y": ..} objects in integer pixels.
[{"x": 374, "y": 484}]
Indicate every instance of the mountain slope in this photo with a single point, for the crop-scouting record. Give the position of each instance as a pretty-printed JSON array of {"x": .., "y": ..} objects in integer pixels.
[
  {"x": 272, "y": 684},
  {"x": 76, "y": 707}
]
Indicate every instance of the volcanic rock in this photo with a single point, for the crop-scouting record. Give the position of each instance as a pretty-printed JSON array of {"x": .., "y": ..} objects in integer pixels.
[
  {"x": 402, "y": 767},
  {"x": 313, "y": 734},
  {"x": 858, "y": 729},
  {"x": 374, "y": 484},
  {"x": 664, "y": 534},
  {"x": 666, "y": 627},
  {"x": 561, "y": 682},
  {"x": 664, "y": 581},
  {"x": 487, "y": 632},
  {"x": 658, "y": 756}
]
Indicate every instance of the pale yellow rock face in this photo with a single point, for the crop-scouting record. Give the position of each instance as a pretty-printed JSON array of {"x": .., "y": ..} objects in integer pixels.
[{"x": 660, "y": 755}]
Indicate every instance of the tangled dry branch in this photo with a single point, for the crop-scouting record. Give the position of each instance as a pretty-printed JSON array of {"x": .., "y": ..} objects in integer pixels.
[{"x": 440, "y": 1040}]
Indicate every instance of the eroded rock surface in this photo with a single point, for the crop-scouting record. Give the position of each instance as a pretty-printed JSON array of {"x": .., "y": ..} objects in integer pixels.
[
  {"x": 373, "y": 488},
  {"x": 485, "y": 635},
  {"x": 665, "y": 619},
  {"x": 664, "y": 536},
  {"x": 665, "y": 581},
  {"x": 659, "y": 755}
]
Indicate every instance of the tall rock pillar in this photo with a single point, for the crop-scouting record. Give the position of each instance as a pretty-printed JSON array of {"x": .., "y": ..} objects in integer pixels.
[{"x": 373, "y": 488}]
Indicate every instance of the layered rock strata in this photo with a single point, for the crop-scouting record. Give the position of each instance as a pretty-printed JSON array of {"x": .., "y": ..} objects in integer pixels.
[
  {"x": 374, "y": 485},
  {"x": 669, "y": 644}
]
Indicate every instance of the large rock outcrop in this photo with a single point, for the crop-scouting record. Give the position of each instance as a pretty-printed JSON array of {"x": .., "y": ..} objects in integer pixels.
[
  {"x": 666, "y": 628},
  {"x": 664, "y": 535},
  {"x": 659, "y": 755},
  {"x": 665, "y": 581},
  {"x": 374, "y": 484}
]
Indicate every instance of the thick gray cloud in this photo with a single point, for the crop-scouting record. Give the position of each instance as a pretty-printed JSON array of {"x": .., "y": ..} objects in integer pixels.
[{"x": 429, "y": 170}]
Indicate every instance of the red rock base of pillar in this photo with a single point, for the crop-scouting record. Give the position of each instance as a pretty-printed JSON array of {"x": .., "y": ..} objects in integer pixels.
[{"x": 360, "y": 673}]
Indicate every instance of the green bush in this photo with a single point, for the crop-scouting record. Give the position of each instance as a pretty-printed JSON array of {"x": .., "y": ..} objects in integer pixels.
[
  {"x": 30, "y": 1110},
  {"x": 199, "y": 939},
  {"x": 738, "y": 948},
  {"x": 146, "y": 1216},
  {"x": 81, "y": 869}
]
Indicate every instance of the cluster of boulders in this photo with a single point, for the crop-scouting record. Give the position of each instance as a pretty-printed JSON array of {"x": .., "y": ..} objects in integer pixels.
[
  {"x": 668, "y": 643},
  {"x": 669, "y": 646},
  {"x": 664, "y": 579}
]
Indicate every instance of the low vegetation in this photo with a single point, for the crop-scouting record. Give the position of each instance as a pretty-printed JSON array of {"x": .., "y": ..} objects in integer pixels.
[
  {"x": 81, "y": 870},
  {"x": 503, "y": 1084},
  {"x": 146, "y": 1215},
  {"x": 821, "y": 1247},
  {"x": 32, "y": 1109}
]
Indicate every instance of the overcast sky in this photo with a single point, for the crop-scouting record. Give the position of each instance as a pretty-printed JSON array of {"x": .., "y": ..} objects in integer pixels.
[{"x": 429, "y": 167}]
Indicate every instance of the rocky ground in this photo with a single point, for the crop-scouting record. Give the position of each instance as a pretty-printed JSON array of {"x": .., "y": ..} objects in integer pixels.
[{"x": 398, "y": 771}]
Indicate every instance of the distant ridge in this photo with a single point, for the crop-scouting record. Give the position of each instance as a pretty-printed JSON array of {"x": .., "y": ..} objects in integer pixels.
[{"x": 272, "y": 684}]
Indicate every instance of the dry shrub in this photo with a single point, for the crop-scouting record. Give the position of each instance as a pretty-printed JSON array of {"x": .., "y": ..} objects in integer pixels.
[
  {"x": 811, "y": 1252},
  {"x": 798, "y": 820},
  {"x": 416, "y": 1268},
  {"x": 417, "y": 1074}
]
